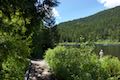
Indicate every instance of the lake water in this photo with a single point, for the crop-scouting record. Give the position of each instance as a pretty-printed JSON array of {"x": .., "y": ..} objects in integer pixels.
[
  {"x": 111, "y": 49},
  {"x": 108, "y": 49}
]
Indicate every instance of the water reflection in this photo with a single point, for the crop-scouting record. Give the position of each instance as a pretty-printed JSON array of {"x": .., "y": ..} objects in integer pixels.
[{"x": 111, "y": 49}]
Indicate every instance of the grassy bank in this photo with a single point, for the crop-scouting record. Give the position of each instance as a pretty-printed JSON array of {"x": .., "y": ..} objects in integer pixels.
[
  {"x": 97, "y": 42},
  {"x": 107, "y": 42}
]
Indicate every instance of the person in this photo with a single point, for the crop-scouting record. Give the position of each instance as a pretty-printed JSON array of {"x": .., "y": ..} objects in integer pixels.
[{"x": 101, "y": 53}]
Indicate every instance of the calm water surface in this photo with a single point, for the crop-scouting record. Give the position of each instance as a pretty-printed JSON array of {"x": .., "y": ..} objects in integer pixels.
[
  {"x": 111, "y": 49},
  {"x": 108, "y": 49}
]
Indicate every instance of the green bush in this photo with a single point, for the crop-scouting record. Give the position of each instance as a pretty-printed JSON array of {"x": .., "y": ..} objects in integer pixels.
[
  {"x": 13, "y": 54},
  {"x": 79, "y": 64},
  {"x": 111, "y": 65},
  {"x": 14, "y": 68}
]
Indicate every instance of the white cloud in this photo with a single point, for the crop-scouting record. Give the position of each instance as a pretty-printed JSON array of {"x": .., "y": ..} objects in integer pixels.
[
  {"x": 55, "y": 13},
  {"x": 110, "y": 3}
]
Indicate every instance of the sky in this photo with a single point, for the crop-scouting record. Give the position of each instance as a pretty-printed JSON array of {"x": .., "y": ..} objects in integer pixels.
[{"x": 74, "y": 9}]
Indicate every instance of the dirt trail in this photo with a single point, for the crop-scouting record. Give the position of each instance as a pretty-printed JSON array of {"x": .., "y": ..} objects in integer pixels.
[{"x": 39, "y": 70}]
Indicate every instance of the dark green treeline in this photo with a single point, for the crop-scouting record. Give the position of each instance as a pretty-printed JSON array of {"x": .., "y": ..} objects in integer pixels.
[{"x": 104, "y": 25}]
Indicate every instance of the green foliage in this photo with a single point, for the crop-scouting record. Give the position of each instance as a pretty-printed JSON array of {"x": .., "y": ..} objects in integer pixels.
[
  {"x": 22, "y": 33},
  {"x": 13, "y": 68},
  {"x": 81, "y": 64},
  {"x": 107, "y": 42},
  {"x": 13, "y": 54},
  {"x": 111, "y": 65},
  {"x": 101, "y": 26},
  {"x": 42, "y": 40},
  {"x": 28, "y": 19}
]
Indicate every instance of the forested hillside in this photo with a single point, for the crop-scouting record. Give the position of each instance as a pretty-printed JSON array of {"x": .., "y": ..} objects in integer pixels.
[{"x": 104, "y": 25}]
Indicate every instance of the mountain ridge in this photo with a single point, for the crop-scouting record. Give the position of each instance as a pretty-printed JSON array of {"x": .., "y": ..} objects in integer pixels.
[
  {"x": 88, "y": 15},
  {"x": 95, "y": 25}
]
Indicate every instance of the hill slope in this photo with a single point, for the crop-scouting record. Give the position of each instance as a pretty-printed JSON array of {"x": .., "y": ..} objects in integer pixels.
[{"x": 101, "y": 26}]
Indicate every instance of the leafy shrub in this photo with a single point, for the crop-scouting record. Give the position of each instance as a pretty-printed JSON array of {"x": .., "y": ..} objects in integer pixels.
[
  {"x": 111, "y": 65},
  {"x": 79, "y": 64},
  {"x": 13, "y": 54},
  {"x": 14, "y": 68}
]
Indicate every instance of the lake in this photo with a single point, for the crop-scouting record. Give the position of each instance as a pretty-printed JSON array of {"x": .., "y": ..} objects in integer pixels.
[{"x": 108, "y": 49}]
